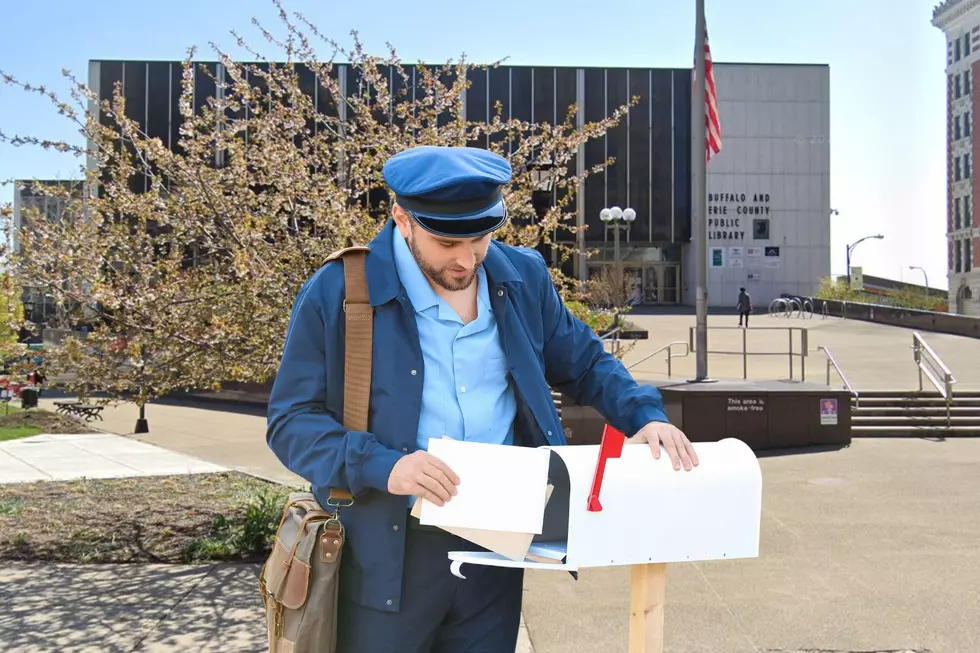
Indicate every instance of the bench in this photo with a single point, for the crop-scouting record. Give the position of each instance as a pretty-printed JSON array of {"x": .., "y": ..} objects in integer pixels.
[
  {"x": 86, "y": 411},
  {"x": 64, "y": 407}
]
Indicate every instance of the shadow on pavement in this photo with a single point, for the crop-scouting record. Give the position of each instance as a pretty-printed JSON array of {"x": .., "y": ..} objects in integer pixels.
[
  {"x": 219, "y": 405},
  {"x": 68, "y": 608},
  {"x": 799, "y": 451}
]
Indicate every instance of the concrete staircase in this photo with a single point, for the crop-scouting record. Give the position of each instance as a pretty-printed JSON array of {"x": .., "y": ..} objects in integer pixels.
[{"x": 911, "y": 413}]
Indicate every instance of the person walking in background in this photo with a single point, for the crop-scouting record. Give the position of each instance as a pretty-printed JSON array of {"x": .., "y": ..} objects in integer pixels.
[{"x": 744, "y": 306}]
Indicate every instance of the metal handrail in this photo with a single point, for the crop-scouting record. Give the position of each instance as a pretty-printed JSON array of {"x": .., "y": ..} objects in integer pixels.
[
  {"x": 832, "y": 362},
  {"x": 607, "y": 337},
  {"x": 667, "y": 348},
  {"x": 745, "y": 353},
  {"x": 932, "y": 360}
]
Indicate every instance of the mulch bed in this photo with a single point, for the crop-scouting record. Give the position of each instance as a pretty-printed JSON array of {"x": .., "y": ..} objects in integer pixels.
[{"x": 171, "y": 519}]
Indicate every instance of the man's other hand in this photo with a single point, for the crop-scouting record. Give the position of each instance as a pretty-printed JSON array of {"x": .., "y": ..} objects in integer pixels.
[
  {"x": 422, "y": 474},
  {"x": 678, "y": 447}
]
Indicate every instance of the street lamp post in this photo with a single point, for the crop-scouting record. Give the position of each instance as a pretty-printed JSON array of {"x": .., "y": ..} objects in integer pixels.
[
  {"x": 611, "y": 217},
  {"x": 924, "y": 274},
  {"x": 542, "y": 196},
  {"x": 850, "y": 248}
]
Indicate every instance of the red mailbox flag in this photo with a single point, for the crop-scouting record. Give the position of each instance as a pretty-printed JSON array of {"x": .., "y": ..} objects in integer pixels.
[{"x": 611, "y": 447}]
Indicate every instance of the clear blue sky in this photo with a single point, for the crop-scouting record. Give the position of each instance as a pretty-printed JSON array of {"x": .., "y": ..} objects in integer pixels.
[{"x": 888, "y": 118}]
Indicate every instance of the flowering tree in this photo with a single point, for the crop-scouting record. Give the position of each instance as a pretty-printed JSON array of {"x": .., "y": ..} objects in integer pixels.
[
  {"x": 186, "y": 278},
  {"x": 11, "y": 317}
]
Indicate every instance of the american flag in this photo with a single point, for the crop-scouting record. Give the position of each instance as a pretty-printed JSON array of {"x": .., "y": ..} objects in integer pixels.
[{"x": 711, "y": 122}]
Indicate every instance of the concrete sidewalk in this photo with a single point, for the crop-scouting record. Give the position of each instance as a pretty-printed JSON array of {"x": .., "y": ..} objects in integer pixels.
[
  {"x": 869, "y": 548},
  {"x": 58, "y": 608},
  {"x": 229, "y": 435},
  {"x": 64, "y": 457},
  {"x": 130, "y": 608}
]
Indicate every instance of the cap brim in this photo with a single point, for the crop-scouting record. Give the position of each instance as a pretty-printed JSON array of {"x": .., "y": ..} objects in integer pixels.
[{"x": 464, "y": 226}]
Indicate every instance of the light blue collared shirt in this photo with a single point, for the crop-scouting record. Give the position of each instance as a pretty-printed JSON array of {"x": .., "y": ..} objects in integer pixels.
[{"x": 466, "y": 388}]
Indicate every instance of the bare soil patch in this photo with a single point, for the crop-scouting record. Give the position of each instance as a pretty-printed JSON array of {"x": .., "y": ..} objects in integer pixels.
[{"x": 171, "y": 519}]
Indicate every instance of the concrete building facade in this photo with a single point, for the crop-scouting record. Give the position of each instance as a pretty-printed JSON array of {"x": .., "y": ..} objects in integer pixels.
[
  {"x": 960, "y": 22},
  {"x": 769, "y": 187}
]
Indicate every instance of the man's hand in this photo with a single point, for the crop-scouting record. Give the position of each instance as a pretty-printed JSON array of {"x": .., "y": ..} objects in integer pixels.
[
  {"x": 678, "y": 447},
  {"x": 423, "y": 475}
]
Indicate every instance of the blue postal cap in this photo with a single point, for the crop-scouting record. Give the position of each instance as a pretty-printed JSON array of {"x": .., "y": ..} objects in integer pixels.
[{"x": 455, "y": 192}]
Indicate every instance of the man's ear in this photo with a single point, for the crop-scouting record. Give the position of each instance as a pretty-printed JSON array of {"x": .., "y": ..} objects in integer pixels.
[{"x": 401, "y": 220}]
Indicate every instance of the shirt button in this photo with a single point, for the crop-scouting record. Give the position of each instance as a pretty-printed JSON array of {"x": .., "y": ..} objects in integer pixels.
[
  {"x": 388, "y": 602},
  {"x": 500, "y": 293},
  {"x": 395, "y": 527},
  {"x": 414, "y": 372},
  {"x": 463, "y": 389},
  {"x": 404, "y": 449},
  {"x": 549, "y": 432}
]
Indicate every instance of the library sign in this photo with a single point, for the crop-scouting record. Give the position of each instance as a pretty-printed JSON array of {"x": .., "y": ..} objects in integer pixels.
[{"x": 729, "y": 214}]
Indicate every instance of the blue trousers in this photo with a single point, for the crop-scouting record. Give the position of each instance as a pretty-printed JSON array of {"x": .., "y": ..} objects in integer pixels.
[{"x": 440, "y": 613}]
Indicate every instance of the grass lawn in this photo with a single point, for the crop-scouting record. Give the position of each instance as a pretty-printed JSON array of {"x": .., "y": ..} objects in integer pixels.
[
  {"x": 172, "y": 519},
  {"x": 17, "y": 423},
  {"x": 15, "y": 432}
]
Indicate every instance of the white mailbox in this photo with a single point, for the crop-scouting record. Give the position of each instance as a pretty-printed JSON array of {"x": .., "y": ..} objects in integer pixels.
[{"x": 650, "y": 512}]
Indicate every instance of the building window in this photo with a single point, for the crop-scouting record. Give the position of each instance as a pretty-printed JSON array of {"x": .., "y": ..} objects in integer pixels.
[
  {"x": 958, "y": 87},
  {"x": 966, "y": 44},
  {"x": 957, "y": 135},
  {"x": 957, "y": 257},
  {"x": 956, "y": 214},
  {"x": 967, "y": 255},
  {"x": 966, "y": 82},
  {"x": 956, "y": 169},
  {"x": 967, "y": 216},
  {"x": 956, "y": 50},
  {"x": 966, "y": 124},
  {"x": 966, "y": 166}
]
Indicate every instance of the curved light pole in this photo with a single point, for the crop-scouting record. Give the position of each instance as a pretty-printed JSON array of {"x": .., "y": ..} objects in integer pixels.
[
  {"x": 850, "y": 248},
  {"x": 924, "y": 274}
]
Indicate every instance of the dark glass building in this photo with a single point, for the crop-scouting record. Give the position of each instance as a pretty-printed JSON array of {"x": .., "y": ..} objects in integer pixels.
[{"x": 651, "y": 145}]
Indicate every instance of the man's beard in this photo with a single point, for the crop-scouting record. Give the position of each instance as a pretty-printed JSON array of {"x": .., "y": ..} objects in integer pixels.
[{"x": 442, "y": 277}]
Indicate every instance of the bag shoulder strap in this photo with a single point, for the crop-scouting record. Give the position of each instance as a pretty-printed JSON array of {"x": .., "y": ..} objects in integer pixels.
[{"x": 359, "y": 341}]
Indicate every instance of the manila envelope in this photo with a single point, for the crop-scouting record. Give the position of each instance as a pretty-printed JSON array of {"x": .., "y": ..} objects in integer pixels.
[{"x": 510, "y": 545}]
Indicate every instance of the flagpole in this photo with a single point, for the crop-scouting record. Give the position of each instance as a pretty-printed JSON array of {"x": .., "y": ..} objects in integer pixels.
[{"x": 700, "y": 188}]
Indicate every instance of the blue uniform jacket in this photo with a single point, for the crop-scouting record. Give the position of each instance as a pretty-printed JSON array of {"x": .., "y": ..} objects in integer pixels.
[{"x": 545, "y": 346}]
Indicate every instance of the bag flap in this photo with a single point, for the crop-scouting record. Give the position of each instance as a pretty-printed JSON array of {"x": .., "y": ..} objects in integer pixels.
[{"x": 286, "y": 573}]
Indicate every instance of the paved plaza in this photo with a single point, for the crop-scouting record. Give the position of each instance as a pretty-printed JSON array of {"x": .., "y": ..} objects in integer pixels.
[
  {"x": 872, "y": 356},
  {"x": 866, "y": 548}
]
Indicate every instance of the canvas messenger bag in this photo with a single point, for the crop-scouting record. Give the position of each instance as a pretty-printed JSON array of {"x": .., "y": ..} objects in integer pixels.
[{"x": 300, "y": 579}]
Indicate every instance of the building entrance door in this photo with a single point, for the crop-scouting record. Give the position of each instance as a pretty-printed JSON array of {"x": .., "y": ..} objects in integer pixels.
[
  {"x": 651, "y": 284},
  {"x": 661, "y": 283}
]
